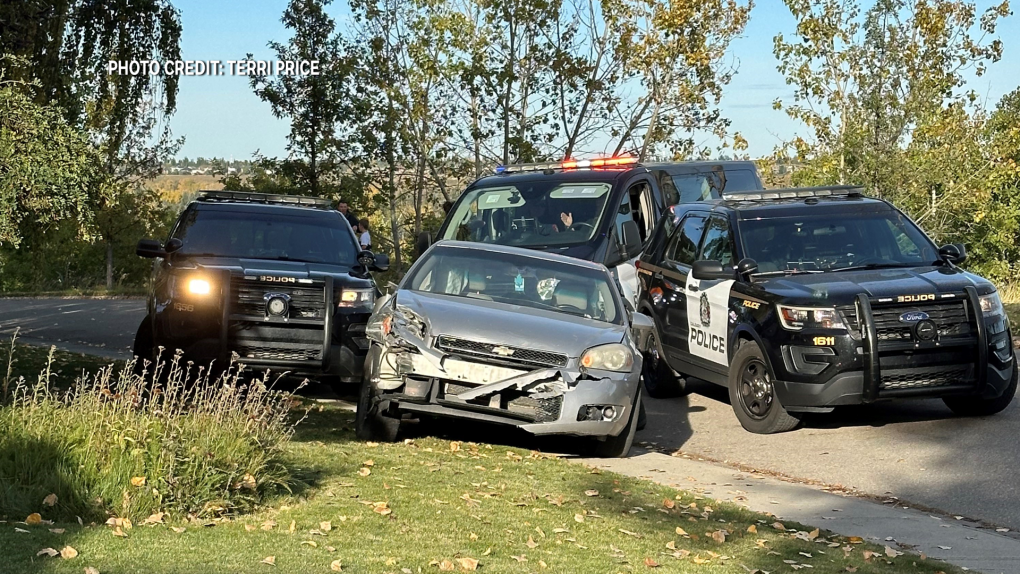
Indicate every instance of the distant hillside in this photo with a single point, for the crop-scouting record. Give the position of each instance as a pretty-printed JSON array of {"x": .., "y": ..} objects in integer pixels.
[{"x": 172, "y": 188}]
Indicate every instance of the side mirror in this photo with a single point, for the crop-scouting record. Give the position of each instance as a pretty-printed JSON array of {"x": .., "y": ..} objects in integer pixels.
[
  {"x": 642, "y": 327},
  {"x": 746, "y": 266},
  {"x": 150, "y": 249},
  {"x": 173, "y": 245},
  {"x": 953, "y": 253},
  {"x": 422, "y": 242},
  {"x": 630, "y": 240},
  {"x": 709, "y": 270},
  {"x": 382, "y": 263}
]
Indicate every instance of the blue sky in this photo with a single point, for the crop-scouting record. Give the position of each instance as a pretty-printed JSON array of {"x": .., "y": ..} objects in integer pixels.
[{"x": 220, "y": 116}]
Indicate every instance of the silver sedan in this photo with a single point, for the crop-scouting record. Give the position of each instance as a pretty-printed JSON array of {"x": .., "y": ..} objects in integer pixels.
[{"x": 510, "y": 336}]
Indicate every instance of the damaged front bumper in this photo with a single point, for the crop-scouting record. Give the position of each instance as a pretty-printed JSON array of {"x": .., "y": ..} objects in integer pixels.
[{"x": 543, "y": 401}]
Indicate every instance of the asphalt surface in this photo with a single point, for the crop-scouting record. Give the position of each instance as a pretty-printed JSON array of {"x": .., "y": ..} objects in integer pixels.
[{"x": 917, "y": 451}]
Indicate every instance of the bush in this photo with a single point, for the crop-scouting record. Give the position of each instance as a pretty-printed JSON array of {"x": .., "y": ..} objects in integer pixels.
[{"x": 116, "y": 445}]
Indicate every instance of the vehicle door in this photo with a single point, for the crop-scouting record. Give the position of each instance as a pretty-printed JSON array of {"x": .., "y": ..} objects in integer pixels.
[
  {"x": 637, "y": 205},
  {"x": 678, "y": 256},
  {"x": 708, "y": 300}
]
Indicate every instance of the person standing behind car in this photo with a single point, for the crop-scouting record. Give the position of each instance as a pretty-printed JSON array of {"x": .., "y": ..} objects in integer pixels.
[
  {"x": 363, "y": 237},
  {"x": 344, "y": 210}
]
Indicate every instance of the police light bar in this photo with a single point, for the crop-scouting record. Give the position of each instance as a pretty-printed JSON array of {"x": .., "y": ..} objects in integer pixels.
[
  {"x": 270, "y": 198},
  {"x": 567, "y": 164},
  {"x": 795, "y": 192}
]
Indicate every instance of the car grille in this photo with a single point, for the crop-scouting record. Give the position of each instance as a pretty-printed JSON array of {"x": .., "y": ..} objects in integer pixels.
[
  {"x": 307, "y": 301},
  {"x": 276, "y": 341},
  {"x": 519, "y": 356},
  {"x": 279, "y": 353},
  {"x": 537, "y": 410},
  {"x": 926, "y": 377},
  {"x": 951, "y": 318}
]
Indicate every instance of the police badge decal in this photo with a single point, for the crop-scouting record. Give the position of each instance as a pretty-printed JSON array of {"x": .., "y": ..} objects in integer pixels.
[{"x": 706, "y": 311}]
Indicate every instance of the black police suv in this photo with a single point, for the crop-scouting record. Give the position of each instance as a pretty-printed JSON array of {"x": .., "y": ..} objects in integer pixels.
[
  {"x": 599, "y": 210},
  {"x": 805, "y": 299},
  {"x": 279, "y": 280}
]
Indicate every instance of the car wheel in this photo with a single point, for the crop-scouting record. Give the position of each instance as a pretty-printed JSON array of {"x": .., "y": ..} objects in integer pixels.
[
  {"x": 977, "y": 407},
  {"x": 143, "y": 349},
  {"x": 618, "y": 446},
  {"x": 642, "y": 420},
  {"x": 369, "y": 423},
  {"x": 753, "y": 396},
  {"x": 660, "y": 380}
]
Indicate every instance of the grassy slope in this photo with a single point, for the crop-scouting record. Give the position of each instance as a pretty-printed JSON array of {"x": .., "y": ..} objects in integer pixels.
[
  {"x": 31, "y": 360},
  {"x": 499, "y": 505}
]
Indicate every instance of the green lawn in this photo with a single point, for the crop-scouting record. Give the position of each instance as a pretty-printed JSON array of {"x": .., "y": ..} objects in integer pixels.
[
  {"x": 31, "y": 360},
  {"x": 430, "y": 505}
]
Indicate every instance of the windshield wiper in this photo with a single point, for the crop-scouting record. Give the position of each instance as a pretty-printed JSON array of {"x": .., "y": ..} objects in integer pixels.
[
  {"x": 786, "y": 272},
  {"x": 890, "y": 265}
]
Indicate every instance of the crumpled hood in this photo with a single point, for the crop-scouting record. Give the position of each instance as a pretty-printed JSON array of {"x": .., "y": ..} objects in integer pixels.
[
  {"x": 843, "y": 287},
  {"x": 505, "y": 324}
]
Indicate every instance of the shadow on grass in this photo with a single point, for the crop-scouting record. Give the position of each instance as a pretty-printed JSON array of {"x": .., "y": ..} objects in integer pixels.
[{"x": 33, "y": 469}]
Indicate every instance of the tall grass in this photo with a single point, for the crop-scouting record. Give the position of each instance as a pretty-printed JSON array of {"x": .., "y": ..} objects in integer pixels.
[{"x": 120, "y": 444}]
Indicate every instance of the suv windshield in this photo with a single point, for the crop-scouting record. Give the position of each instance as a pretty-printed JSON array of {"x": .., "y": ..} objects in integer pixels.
[
  {"x": 309, "y": 235},
  {"x": 529, "y": 214},
  {"x": 518, "y": 280},
  {"x": 834, "y": 242}
]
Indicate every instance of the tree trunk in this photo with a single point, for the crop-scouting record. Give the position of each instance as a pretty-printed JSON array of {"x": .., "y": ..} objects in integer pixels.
[
  {"x": 109, "y": 264},
  {"x": 476, "y": 133},
  {"x": 391, "y": 183}
]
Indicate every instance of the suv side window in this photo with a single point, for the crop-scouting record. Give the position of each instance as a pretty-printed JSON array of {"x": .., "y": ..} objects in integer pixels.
[
  {"x": 683, "y": 246},
  {"x": 718, "y": 244}
]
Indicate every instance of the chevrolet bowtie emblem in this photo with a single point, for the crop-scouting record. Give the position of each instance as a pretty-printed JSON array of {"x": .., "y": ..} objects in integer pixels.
[{"x": 503, "y": 351}]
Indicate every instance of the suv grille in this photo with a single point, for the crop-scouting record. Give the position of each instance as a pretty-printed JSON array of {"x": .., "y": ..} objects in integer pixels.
[
  {"x": 927, "y": 377},
  {"x": 307, "y": 301},
  {"x": 518, "y": 356},
  {"x": 951, "y": 318}
]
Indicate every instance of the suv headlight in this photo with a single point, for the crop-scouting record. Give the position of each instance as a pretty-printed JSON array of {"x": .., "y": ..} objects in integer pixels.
[
  {"x": 356, "y": 298},
  {"x": 797, "y": 318},
  {"x": 611, "y": 357},
  {"x": 991, "y": 304}
]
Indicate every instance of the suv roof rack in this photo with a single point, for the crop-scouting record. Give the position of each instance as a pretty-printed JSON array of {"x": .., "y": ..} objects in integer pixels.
[
  {"x": 794, "y": 192},
  {"x": 570, "y": 164},
  {"x": 227, "y": 196}
]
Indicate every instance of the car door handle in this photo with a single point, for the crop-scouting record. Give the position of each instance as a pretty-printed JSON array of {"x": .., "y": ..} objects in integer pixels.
[{"x": 692, "y": 288}]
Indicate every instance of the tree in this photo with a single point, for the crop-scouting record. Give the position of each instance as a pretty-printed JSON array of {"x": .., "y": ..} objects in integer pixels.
[{"x": 315, "y": 104}]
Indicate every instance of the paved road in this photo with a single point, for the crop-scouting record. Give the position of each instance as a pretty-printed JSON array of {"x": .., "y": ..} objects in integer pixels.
[
  {"x": 917, "y": 451},
  {"x": 103, "y": 327}
]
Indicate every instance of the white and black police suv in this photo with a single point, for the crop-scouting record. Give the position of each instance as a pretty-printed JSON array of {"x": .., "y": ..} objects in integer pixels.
[{"x": 800, "y": 300}]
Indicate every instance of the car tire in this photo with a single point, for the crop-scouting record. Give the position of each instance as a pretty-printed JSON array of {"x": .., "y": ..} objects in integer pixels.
[
  {"x": 978, "y": 407},
  {"x": 143, "y": 348},
  {"x": 642, "y": 420},
  {"x": 369, "y": 423},
  {"x": 618, "y": 446},
  {"x": 753, "y": 396},
  {"x": 660, "y": 380}
]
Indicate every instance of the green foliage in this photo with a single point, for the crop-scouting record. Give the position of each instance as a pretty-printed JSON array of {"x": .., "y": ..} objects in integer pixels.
[
  {"x": 115, "y": 444},
  {"x": 48, "y": 167}
]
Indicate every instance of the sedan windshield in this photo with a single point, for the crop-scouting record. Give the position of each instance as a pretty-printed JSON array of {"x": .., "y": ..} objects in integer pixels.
[
  {"x": 529, "y": 214},
  {"x": 517, "y": 280},
  {"x": 805, "y": 244},
  {"x": 310, "y": 236}
]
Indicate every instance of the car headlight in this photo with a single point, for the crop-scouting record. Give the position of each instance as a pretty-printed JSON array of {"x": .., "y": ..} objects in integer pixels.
[
  {"x": 797, "y": 318},
  {"x": 356, "y": 298},
  {"x": 991, "y": 304},
  {"x": 611, "y": 357},
  {"x": 199, "y": 287}
]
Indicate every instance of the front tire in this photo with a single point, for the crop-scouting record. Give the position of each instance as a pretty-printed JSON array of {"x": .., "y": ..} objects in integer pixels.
[
  {"x": 978, "y": 407},
  {"x": 660, "y": 380},
  {"x": 618, "y": 446},
  {"x": 753, "y": 396},
  {"x": 143, "y": 347},
  {"x": 369, "y": 423}
]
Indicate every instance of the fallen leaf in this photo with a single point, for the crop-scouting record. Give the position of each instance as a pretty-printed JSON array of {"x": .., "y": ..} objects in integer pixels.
[
  {"x": 542, "y": 564},
  {"x": 368, "y": 462},
  {"x": 271, "y": 560},
  {"x": 531, "y": 542},
  {"x": 68, "y": 553},
  {"x": 250, "y": 527},
  {"x": 446, "y": 566},
  {"x": 335, "y": 566},
  {"x": 752, "y": 529},
  {"x": 651, "y": 563},
  {"x": 719, "y": 536},
  {"x": 382, "y": 508},
  {"x": 467, "y": 564},
  {"x": 48, "y": 552},
  {"x": 156, "y": 518},
  {"x": 629, "y": 533},
  {"x": 681, "y": 531},
  {"x": 326, "y": 526},
  {"x": 137, "y": 481},
  {"x": 856, "y": 540},
  {"x": 57, "y": 530},
  {"x": 309, "y": 543},
  {"x": 124, "y": 523},
  {"x": 293, "y": 526},
  {"x": 591, "y": 493},
  {"x": 119, "y": 532},
  {"x": 33, "y": 519},
  {"x": 867, "y": 555},
  {"x": 578, "y": 518},
  {"x": 91, "y": 570},
  {"x": 178, "y": 529},
  {"x": 365, "y": 471},
  {"x": 668, "y": 503},
  {"x": 246, "y": 482},
  {"x": 268, "y": 525},
  {"x": 50, "y": 500},
  {"x": 946, "y": 547},
  {"x": 813, "y": 534},
  {"x": 778, "y": 526},
  {"x": 891, "y": 553},
  {"x": 472, "y": 536},
  {"x": 16, "y": 529}
]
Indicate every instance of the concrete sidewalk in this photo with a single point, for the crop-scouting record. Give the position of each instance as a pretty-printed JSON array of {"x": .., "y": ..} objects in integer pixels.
[{"x": 945, "y": 538}]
